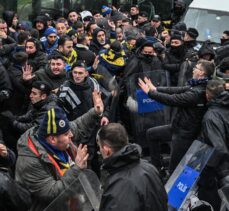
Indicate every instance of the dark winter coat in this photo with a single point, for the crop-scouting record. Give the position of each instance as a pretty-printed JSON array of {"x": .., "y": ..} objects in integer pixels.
[
  {"x": 46, "y": 75},
  {"x": 95, "y": 46},
  {"x": 138, "y": 63},
  {"x": 186, "y": 124},
  {"x": 19, "y": 97},
  {"x": 6, "y": 88},
  {"x": 190, "y": 48},
  {"x": 132, "y": 184},
  {"x": 12, "y": 196},
  {"x": 38, "y": 60},
  {"x": 34, "y": 116},
  {"x": 85, "y": 54},
  {"x": 8, "y": 46},
  {"x": 172, "y": 62},
  {"x": 215, "y": 132},
  {"x": 191, "y": 106},
  {"x": 83, "y": 92}
]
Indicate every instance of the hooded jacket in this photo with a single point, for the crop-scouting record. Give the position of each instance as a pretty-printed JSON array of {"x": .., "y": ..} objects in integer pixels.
[
  {"x": 173, "y": 59},
  {"x": 215, "y": 132},
  {"x": 140, "y": 63},
  {"x": 132, "y": 184},
  {"x": 95, "y": 46}
]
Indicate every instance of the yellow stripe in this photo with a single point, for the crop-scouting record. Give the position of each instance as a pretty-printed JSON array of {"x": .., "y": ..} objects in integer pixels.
[
  {"x": 49, "y": 123},
  {"x": 53, "y": 122}
]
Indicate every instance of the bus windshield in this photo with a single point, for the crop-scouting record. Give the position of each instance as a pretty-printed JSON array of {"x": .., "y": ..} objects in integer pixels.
[{"x": 216, "y": 22}]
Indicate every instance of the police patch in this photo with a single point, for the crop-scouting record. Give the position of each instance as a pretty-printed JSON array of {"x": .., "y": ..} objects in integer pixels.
[{"x": 62, "y": 123}]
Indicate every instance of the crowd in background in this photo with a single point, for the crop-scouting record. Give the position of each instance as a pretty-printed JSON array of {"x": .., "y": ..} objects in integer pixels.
[{"x": 58, "y": 63}]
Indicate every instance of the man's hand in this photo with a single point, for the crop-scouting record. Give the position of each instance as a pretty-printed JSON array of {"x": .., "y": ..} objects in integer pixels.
[
  {"x": 3, "y": 150},
  {"x": 227, "y": 86},
  {"x": 96, "y": 62},
  {"x": 146, "y": 85},
  {"x": 27, "y": 72},
  {"x": 98, "y": 103},
  {"x": 104, "y": 121},
  {"x": 82, "y": 156},
  {"x": 107, "y": 46},
  {"x": 55, "y": 91},
  {"x": 3, "y": 35}
]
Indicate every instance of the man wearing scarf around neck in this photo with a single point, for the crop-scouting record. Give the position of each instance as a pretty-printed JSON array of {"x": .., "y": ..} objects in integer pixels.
[
  {"x": 190, "y": 101},
  {"x": 48, "y": 161}
]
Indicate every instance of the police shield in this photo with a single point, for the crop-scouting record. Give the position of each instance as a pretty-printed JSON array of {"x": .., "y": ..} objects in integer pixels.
[
  {"x": 183, "y": 182},
  {"x": 145, "y": 112},
  {"x": 84, "y": 194}
]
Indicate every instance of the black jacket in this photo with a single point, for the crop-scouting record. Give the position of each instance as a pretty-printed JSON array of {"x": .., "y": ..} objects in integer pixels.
[
  {"x": 172, "y": 62},
  {"x": 8, "y": 46},
  {"x": 19, "y": 98},
  {"x": 191, "y": 106},
  {"x": 38, "y": 60},
  {"x": 6, "y": 88},
  {"x": 95, "y": 46},
  {"x": 45, "y": 74},
  {"x": 139, "y": 63},
  {"x": 85, "y": 54},
  {"x": 132, "y": 184},
  {"x": 83, "y": 92},
  {"x": 215, "y": 132},
  {"x": 34, "y": 116}
]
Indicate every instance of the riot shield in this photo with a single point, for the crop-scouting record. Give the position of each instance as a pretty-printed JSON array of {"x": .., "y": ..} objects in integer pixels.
[
  {"x": 146, "y": 113},
  {"x": 84, "y": 194},
  {"x": 182, "y": 183}
]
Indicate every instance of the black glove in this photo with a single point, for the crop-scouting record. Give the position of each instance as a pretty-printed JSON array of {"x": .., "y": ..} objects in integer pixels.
[{"x": 9, "y": 115}]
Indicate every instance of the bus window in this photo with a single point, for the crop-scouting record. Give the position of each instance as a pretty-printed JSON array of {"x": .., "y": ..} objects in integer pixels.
[
  {"x": 8, "y": 5},
  {"x": 24, "y": 9}
]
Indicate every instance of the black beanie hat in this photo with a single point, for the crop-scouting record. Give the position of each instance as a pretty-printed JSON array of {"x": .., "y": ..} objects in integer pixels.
[
  {"x": 41, "y": 18},
  {"x": 176, "y": 36},
  {"x": 192, "y": 32},
  {"x": 55, "y": 123},
  {"x": 43, "y": 86}
]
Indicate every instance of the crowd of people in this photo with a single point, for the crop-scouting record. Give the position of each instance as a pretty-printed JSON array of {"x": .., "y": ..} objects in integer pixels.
[{"x": 65, "y": 96}]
